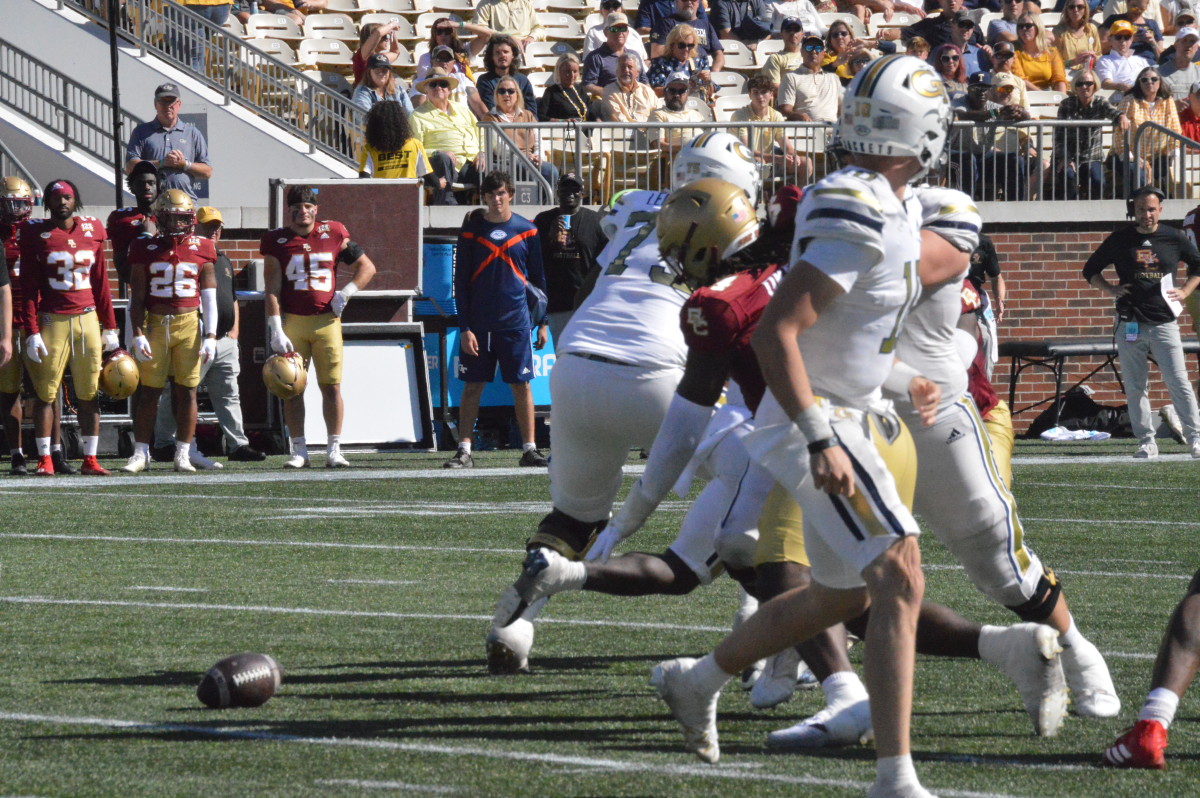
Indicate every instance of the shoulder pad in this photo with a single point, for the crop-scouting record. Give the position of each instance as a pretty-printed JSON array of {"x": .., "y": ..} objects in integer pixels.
[
  {"x": 846, "y": 205},
  {"x": 952, "y": 215}
]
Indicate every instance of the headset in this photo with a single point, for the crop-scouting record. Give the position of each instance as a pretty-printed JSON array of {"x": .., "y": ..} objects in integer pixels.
[{"x": 1144, "y": 191}]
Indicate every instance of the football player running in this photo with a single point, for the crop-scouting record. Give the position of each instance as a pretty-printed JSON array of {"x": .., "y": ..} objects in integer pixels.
[
  {"x": 301, "y": 261},
  {"x": 620, "y": 359},
  {"x": 65, "y": 302},
  {"x": 171, "y": 278}
]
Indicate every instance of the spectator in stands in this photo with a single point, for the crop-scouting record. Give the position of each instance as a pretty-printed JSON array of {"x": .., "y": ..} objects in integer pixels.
[
  {"x": 1118, "y": 70},
  {"x": 681, "y": 55},
  {"x": 1004, "y": 61},
  {"x": 775, "y": 154},
  {"x": 1182, "y": 70},
  {"x": 510, "y": 109},
  {"x": 1001, "y": 156},
  {"x": 448, "y": 132},
  {"x": 1079, "y": 151},
  {"x": 1145, "y": 323},
  {"x": 390, "y": 149},
  {"x": 746, "y": 21},
  {"x": 1149, "y": 100},
  {"x": 516, "y": 19},
  {"x": 219, "y": 374},
  {"x": 630, "y": 99},
  {"x": 454, "y": 64},
  {"x": 295, "y": 10},
  {"x": 809, "y": 94},
  {"x": 380, "y": 83},
  {"x": 563, "y": 100},
  {"x": 571, "y": 242},
  {"x": 840, "y": 49},
  {"x": 783, "y": 61},
  {"x": 1076, "y": 37},
  {"x": 1040, "y": 66},
  {"x": 597, "y": 34},
  {"x": 503, "y": 57},
  {"x": 936, "y": 29},
  {"x": 803, "y": 11},
  {"x": 216, "y": 12},
  {"x": 976, "y": 58},
  {"x": 177, "y": 148},
  {"x": 917, "y": 47},
  {"x": 600, "y": 66},
  {"x": 675, "y": 111},
  {"x": 1189, "y": 123},
  {"x": 1182, "y": 15},
  {"x": 1147, "y": 35},
  {"x": 947, "y": 60},
  {"x": 375, "y": 38},
  {"x": 704, "y": 35},
  {"x": 1184, "y": 18},
  {"x": 1151, "y": 8},
  {"x": 1004, "y": 29},
  {"x": 651, "y": 12}
]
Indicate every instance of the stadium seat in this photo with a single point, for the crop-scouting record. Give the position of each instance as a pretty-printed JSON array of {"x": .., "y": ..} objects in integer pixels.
[
  {"x": 409, "y": 8},
  {"x": 729, "y": 83},
  {"x": 766, "y": 47},
  {"x": 898, "y": 20},
  {"x": 985, "y": 18},
  {"x": 405, "y": 33},
  {"x": 738, "y": 56},
  {"x": 278, "y": 49},
  {"x": 335, "y": 81},
  {"x": 697, "y": 104},
  {"x": 544, "y": 55},
  {"x": 577, "y": 9},
  {"x": 539, "y": 80},
  {"x": 1044, "y": 104},
  {"x": 348, "y": 7},
  {"x": 405, "y": 64},
  {"x": 727, "y": 104},
  {"x": 273, "y": 26},
  {"x": 561, "y": 26},
  {"x": 463, "y": 8},
  {"x": 328, "y": 55},
  {"x": 235, "y": 27},
  {"x": 1049, "y": 19},
  {"x": 331, "y": 26},
  {"x": 856, "y": 24},
  {"x": 425, "y": 22}
]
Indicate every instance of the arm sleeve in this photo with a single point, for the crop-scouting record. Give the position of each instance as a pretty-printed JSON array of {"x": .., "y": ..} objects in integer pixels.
[
  {"x": 208, "y": 309},
  {"x": 102, "y": 293}
]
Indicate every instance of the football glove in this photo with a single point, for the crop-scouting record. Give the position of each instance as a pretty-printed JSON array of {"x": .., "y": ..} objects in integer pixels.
[
  {"x": 208, "y": 349},
  {"x": 141, "y": 348},
  {"x": 111, "y": 340},
  {"x": 279, "y": 341},
  {"x": 608, "y": 540},
  {"x": 338, "y": 303},
  {"x": 35, "y": 349}
]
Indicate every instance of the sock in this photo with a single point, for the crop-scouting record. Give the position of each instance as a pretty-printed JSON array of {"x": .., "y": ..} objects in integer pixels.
[
  {"x": 16, "y": 451},
  {"x": 1072, "y": 636},
  {"x": 529, "y": 447},
  {"x": 182, "y": 448},
  {"x": 90, "y": 444},
  {"x": 1160, "y": 706},
  {"x": 43, "y": 446},
  {"x": 334, "y": 444},
  {"x": 709, "y": 674},
  {"x": 142, "y": 449},
  {"x": 299, "y": 447},
  {"x": 843, "y": 687},
  {"x": 465, "y": 445},
  {"x": 195, "y": 448},
  {"x": 895, "y": 771},
  {"x": 56, "y": 447}
]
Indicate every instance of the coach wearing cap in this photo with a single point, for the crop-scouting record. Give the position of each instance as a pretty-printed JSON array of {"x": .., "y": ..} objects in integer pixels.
[{"x": 176, "y": 148}]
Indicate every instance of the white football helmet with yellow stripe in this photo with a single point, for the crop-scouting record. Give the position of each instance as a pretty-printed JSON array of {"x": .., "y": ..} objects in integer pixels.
[{"x": 718, "y": 155}]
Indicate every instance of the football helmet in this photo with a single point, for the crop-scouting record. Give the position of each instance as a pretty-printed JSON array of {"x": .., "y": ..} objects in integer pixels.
[
  {"x": 624, "y": 208},
  {"x": 285, "y": 375},
  {"x": 896, "y": 106},
  {"x": 175, "y": 212},
  {"x": 16, "y": 202},
  {"x": 719, "y": 155},
  {"x": 119, "y": 377},
  {"x": 702, "y": 224}
]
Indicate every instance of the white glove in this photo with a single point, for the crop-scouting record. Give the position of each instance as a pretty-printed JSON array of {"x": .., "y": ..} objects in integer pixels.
[
  {"x": 141, "y": 348},
  {"x": 111, "y": 340},
  {"x": 602, "y": 549},
  {"x": 279, "y": 342},
  {"x": 208, "y": 349},
  {"x": 35, "y": 350},
  {"x": 338, "y": 303}
]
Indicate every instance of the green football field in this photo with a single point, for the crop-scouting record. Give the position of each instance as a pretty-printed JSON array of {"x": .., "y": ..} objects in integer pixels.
[{"x": 373, "y": 588}]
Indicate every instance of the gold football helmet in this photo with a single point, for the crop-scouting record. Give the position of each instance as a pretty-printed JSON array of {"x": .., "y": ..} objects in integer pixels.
[
  {"x": 119, "y": 378},
  {"x": 701, "y": 224},
  {"x": 16, "y": 202},
  {"x": 284, "y": 375},
  {"x": 175, "y": 212}
]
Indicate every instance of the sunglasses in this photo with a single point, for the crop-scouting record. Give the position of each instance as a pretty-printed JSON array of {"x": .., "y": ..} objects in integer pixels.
[
  {"x": 1003, "y": 89},
  {"x": 682, "y": 90},
  {"x": 1085, "y": 84},
  {"x": 814, "y": 48},
  {"x": 443, "y": 31},
  {"x": 1148, "y": 80},
  {"x": 619, "y": 29},
  {"x": 506, "y": 92},
  {"x": 682, "y": 46},
  {"x": 966, "y": 24},
  {"x": 439, "y": 84},
  {"x": 950, "y": 59},
  {"x": 1121, "y": 37},
  {"x": 837, "y": 34},
  {"x": 1026, "y": 26}
]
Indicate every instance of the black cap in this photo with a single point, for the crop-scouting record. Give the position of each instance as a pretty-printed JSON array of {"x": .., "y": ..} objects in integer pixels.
[
  {"x": 963, "y": 16},
  {"x": 166, "y": 90},
  {"x": 143, "y": 167},
  {"x": 980, "y": 79},
  {"x": 379, "y": 61},
  {"x": 570, "y": 179}
]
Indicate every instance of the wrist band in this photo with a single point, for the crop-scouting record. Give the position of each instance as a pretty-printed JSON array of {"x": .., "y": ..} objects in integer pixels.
[
  {"x": 822, "y": 445},
  {"x": 813, "y": 423}
]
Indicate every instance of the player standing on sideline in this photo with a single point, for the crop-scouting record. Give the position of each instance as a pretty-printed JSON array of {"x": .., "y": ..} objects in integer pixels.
[
  {"x": 825, "y": 345},
  {"x": 16, "y": 207},
  {"x": 126, "y": 224},
  {"x": 171, "y": 277},
  {"x": 301, "y": 261},
  {"x": 65, "y": 300},
  {"x": 497, "y": 255}
]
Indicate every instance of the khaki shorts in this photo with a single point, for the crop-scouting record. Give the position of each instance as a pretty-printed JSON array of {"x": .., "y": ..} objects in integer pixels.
[
  {"x": 175, "y": 347},
  {"x": 73, "y": 340},
  {"x": 12, "y": 372},
  {"x": 319, "y": 339}
]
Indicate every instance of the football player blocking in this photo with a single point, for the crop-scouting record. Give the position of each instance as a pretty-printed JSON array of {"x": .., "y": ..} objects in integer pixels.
[{"x": 300, "y": 267}]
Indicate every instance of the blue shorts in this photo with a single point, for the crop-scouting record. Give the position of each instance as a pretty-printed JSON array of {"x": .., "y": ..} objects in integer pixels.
[{"x": 512, "y": 349}]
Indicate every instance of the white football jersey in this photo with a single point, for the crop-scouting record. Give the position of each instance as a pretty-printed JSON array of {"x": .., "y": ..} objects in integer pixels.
[
  {"x": 849, "y": 351},
  {"x": 927, "y": 337},
  {"x": 632, "y": 314}
]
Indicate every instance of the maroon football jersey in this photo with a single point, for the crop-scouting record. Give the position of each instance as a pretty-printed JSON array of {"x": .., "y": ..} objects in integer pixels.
[
  {"x": 308, "y": 264},
  {"x": 12, "y": 253},
  {"x": 721, "y": 318},
  {"x": 978, "y": 385},
  {"x": 172, "y": 269},
  {"x": 65, "y": 271},
  {"x": 124, "y": 225}
]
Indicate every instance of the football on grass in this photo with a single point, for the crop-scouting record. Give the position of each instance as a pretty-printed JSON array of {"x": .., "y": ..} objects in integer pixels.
[{"x": 243, "y": 680}]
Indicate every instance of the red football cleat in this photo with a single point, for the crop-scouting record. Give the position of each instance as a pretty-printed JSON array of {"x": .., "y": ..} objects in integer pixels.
[
  {"x": 45, "y": 466},
  {"x": 92, "y": 468},
  {"x": 1140, "y": 747}
]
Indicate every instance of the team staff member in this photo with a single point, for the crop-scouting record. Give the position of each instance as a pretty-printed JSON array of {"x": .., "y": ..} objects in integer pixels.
[
  {"x": 301, "y": 262},
  {"x": 176, "y": 148},
  {"x": 497, "y": 255},
  {"x": 65, "y": 301},
  {"x": 126, "y": 224},
  {"x": 1143, "y": 253}
]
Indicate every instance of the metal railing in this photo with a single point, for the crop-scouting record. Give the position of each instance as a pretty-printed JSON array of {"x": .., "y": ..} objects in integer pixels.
[
  {"x": 294, "y": 100},
  {"x": 59, "y": 103},
  {"x": 11, "y": 166}
]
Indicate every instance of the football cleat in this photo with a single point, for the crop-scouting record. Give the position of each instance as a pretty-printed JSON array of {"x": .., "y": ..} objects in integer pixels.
[
  {"x": 45, "y": 466},
  {"x": 846, "y": 724},
  {"x": 1146, "y": 451},
  {"x": 196, "y": 458},
  {"x": 695, "y": 710},
  {"x": 1092, "y": 692},
  {"x": 136, "y": 464},
  {"x": 508, "y": 648},
  {"x": 1139, "y": 747},
  {"x": 533, "y": 458},
  {"x": 1171, "y": 420},
  {"x": 547, "y": 572},
  {"x": 61, "y": 466},
  {"x": 777, "y": 683},
  {"x": 183, "y": 462},
  {"x": 19, "y": 466},
  {"x": 296, "y": 461},
  {"x": 461, "y": 459},
  {"x": 336, "y": 460},
  {"x": 91, "y": 467},
  {"x": 1029, "y": 654},
  {"x": 1194, "y": 449}
]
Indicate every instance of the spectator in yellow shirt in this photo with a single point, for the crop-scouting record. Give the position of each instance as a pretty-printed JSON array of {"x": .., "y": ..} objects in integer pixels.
[
  {"x": 449, "y": 134},
  {"x": 1040, "y": 66},
  {"x": 390, "y": 150}
]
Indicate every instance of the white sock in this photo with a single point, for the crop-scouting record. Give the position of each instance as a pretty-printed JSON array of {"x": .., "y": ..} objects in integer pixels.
[
  {"x": 465, "y": 446},
  {"x": 43, "y": 446},
  {"x": 91, "y": 443},
  {"x": 1160, "y": 706},
  {"x": 299, "y": 447},
  {"x": 529, "y": 447},
  {"x": 142, "y": 449},
  {"x": 334, "y": 444},
  {"x": 16, "y": 451},
  {"x": 709, "y": 674},
  {"x": 895, "y": 771},
  {"x": 182, "y": 448},
  {"x": 56, "y": 447},
  {"x": 1072, "y": 636},
  {"x": 843, "y": 687}
]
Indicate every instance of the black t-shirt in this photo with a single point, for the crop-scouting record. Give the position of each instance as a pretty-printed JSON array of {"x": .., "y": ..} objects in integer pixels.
[
  {"x": 985, "y": 263},
  {"x": 1141, "y": 261},
  {"x": 226, "y": 297}
]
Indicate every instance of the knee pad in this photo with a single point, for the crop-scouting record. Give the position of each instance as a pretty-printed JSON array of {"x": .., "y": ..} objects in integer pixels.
[
  {"x": 1044, "y": 600},
  {"x": 737, "y": 550},
  {"x": 569, "y": 537}
]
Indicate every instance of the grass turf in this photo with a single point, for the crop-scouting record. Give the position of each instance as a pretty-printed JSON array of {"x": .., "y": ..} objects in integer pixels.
[{"x": 378, "y": 618}]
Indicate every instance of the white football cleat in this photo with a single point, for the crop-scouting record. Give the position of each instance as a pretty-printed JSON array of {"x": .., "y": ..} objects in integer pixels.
[
  {"x": 695, "y": 710},
  {"x": 1029, "y": 654},
  {"x": 547, "y": 572},
  {"x": 296, "y": 461},
  {"x": 136, "y": 464},
  {"x": 182, "y": 462},
  {"x": 845, "y": 724},
  {"x": 1092, "y": 692},
  {"x": 201, "y": 462},
  {"x": 777, "y": 683},
  {"x": 751, "y": 675},
  {"x": 508, "y": 648},
  {"x": 336, "y": 460}
]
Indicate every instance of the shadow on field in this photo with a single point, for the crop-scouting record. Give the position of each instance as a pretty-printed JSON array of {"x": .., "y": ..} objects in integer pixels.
[
  {"x": 350, "y": 672},
  {"x": 154, "y": 679}
]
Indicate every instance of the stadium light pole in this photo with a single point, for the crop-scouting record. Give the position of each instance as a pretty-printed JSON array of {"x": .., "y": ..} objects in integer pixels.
[{"x": 114, "y": 19}]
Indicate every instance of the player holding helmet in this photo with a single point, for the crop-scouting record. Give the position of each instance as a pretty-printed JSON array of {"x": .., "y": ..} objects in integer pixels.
[{"x": 171, "y": 278}]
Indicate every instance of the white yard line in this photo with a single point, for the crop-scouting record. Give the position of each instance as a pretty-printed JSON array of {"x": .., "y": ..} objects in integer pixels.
[
  {"x": 312, "y": 544},
  {"x": 371, "y": 582},
  {"x": 169, "y": 589},
  {"x": 403, "y": 786}
]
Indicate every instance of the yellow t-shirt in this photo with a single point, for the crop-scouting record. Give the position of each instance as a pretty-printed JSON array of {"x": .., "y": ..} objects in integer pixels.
[
  {"x": 1043, "y": 71},
  {"x": 408, "y": 161}
]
